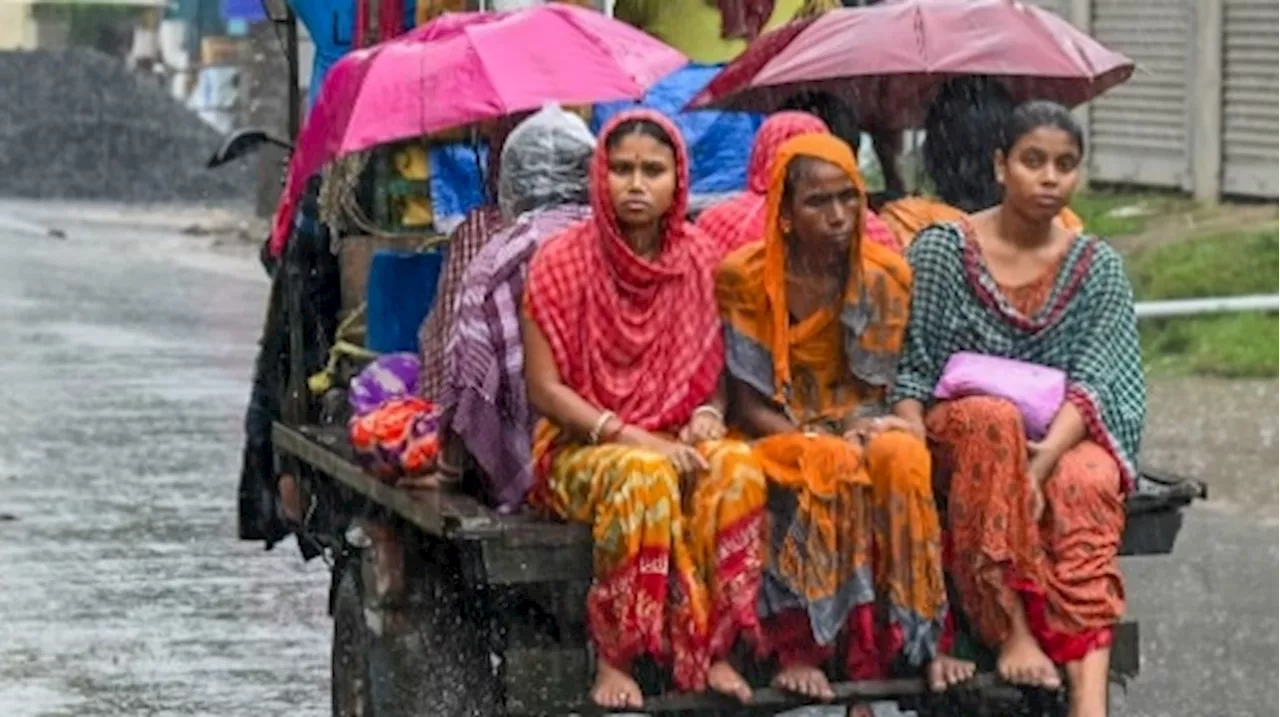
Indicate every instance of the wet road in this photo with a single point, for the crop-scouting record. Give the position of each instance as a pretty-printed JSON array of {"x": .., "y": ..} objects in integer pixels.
[
  {"x": 123, "y": 590},
  {"x": 123, "y": 373},
  {"x": 1208, "y": 612}
]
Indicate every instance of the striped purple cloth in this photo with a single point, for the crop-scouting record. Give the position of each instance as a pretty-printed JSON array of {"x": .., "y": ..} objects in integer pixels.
[
  {"x": 465, "y": 243},
  {"x": 484, "y": 397}
]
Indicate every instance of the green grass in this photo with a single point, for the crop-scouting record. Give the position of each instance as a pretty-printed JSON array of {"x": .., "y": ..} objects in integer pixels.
[
  {"x": 1229, "y": 346},
  {"x": 1230, "y": 264},
  {"x": 1097, "y": 210}
]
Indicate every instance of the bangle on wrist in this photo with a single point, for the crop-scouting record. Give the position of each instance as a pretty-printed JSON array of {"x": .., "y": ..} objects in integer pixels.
[
  {"x": 613, "y": 432},
  {"x": 601, "y": 422},
  {"x": 709, "y": 410}
]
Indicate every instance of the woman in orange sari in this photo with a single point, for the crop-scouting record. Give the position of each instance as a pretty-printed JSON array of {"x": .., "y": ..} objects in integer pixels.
[
  {"x": 740, "y": 220},
  {"x": 962, "y": 130},
  {"x": 854, "y": 546},
  {"x": 623, "y": 358}
]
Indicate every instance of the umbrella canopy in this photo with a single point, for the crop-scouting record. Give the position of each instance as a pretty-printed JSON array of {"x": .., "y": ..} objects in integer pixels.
[
  {"x": 889, "y": 59},
  {"x": 465, "y": 68}
]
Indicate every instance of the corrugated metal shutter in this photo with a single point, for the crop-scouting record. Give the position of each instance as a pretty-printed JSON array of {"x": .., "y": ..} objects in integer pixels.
[
  {"x": 1140, "y": 129},
  {"x": 1062, "y": 7},
  {"x": 1250, "y": 98}
]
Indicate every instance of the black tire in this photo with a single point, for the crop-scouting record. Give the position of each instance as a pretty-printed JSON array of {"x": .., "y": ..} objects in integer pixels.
[{"x": 349, "y": 660}]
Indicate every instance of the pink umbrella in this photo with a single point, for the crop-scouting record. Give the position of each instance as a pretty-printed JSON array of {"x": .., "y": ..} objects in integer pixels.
[
  {"x": 888, "y": 60},
  {"x": 466, "y": 68}
]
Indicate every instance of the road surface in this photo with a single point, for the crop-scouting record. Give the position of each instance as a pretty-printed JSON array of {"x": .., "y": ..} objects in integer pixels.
[{"x": 123, "y": 591}]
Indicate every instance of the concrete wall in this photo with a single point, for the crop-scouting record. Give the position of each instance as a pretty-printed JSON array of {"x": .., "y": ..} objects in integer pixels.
[
  {"x": 1200, "y": 112},
  {"x": 16, "y": 29}
]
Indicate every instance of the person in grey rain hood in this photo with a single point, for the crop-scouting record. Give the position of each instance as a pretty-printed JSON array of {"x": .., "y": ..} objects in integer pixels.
[{"x": 542, "y": 190}]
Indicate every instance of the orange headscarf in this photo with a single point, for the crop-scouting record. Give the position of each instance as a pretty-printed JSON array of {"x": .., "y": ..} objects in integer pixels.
[
  {"x": 751, "y": 294},
  {"x": 909, "y": 216},
  {"x": 829, "y": 148},
  {"x": 862, "y": 257}
]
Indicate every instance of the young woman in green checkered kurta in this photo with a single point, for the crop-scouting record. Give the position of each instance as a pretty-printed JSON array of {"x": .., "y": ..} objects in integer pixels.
[{"x": 1034, "y": 527}]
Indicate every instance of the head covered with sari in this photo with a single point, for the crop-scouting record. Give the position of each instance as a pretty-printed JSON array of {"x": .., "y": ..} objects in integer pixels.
[
  {"x": 634, "y": 335},
  {"x": 751, "y": 291},
  {"x": 739, "y": 220},
  {"x": 775, "y": 132}
]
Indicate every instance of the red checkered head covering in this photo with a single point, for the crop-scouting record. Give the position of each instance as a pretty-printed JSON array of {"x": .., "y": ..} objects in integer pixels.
[{"x": 634, "y": 335}]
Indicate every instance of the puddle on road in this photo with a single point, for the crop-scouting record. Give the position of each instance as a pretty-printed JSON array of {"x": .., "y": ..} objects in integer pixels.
[
  {"x": 125, "y": 590},
  {"x": 118, "y": 338},
  {"x": 34, "y": 696}
]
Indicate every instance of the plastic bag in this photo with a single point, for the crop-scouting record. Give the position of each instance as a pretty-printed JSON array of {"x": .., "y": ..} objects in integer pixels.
[
  {"x": 1037, "y": 391},
  {"x": 545, "y": 161}
]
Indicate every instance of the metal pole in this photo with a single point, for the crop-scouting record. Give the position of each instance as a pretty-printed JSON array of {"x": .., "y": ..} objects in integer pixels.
[
  {"x": 1213, "y": 305},
  {"x": 295, "y": 92}
]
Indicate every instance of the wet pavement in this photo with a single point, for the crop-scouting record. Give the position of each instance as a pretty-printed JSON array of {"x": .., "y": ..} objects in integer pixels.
[
  {"x": 1208, "y": 612},
  {"x": 124, "y": 592},
  {"x": 124, "y": 370}
]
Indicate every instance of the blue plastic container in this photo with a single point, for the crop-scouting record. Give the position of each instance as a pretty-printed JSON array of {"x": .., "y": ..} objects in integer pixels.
[{"x": 402, "y": 288}]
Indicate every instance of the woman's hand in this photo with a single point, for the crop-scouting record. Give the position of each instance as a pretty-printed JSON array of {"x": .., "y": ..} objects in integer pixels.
[
  {"x": 1040, "y": 465},
  {"x": 894, "y": 423},
  {"x": 1037, "y": 499},
  {"x": 1065, "y": 432},
  {"x": 858, "y": 431},
  {"x": 911, "y": 413},
  {"x": 864, "y": 429},
  {"x": 913, "y": 426},
  {"x": 704, "y": 426},
  {"x": 687, "y": 460}
]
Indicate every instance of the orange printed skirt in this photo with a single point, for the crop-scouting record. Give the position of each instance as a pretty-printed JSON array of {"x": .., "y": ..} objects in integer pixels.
[
  {"x": 1063, "y": 567},
  {"x": 676, "y": 573},
  {"x": 854, "y": 552}
]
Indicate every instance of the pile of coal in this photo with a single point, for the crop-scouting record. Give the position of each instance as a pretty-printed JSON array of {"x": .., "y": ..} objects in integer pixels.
[{"x": 78, "y": 125}]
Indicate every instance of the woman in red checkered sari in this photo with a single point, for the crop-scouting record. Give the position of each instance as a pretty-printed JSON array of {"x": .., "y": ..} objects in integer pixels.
[{"x": 623, "y": 358}]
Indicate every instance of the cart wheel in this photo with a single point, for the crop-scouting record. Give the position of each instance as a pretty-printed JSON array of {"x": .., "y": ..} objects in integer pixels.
[
  {"x": 436, "y": 660},
  {"x": 349, "y": 663}
]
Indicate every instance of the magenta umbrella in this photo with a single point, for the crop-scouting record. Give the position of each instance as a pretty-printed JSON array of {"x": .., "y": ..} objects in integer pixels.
[
  {"x": 466, "y": 68},
  {"x": 888, "y": 60}
]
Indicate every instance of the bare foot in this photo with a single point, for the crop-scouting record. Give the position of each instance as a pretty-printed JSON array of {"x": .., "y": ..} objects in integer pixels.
[
  {"x": 614, "y": 689},
  {"x": 946, "y": 671},
  {"x": 1022, "y": 662},
  {"x": 1087, "y": 679},
  {"x": 861, "y": 711},
  {"x": 727, "y": 681},
  {"x": 429, "y": 481},
  {"x": 290, "y": 498},
  {"x": 805, "y": 681}
]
